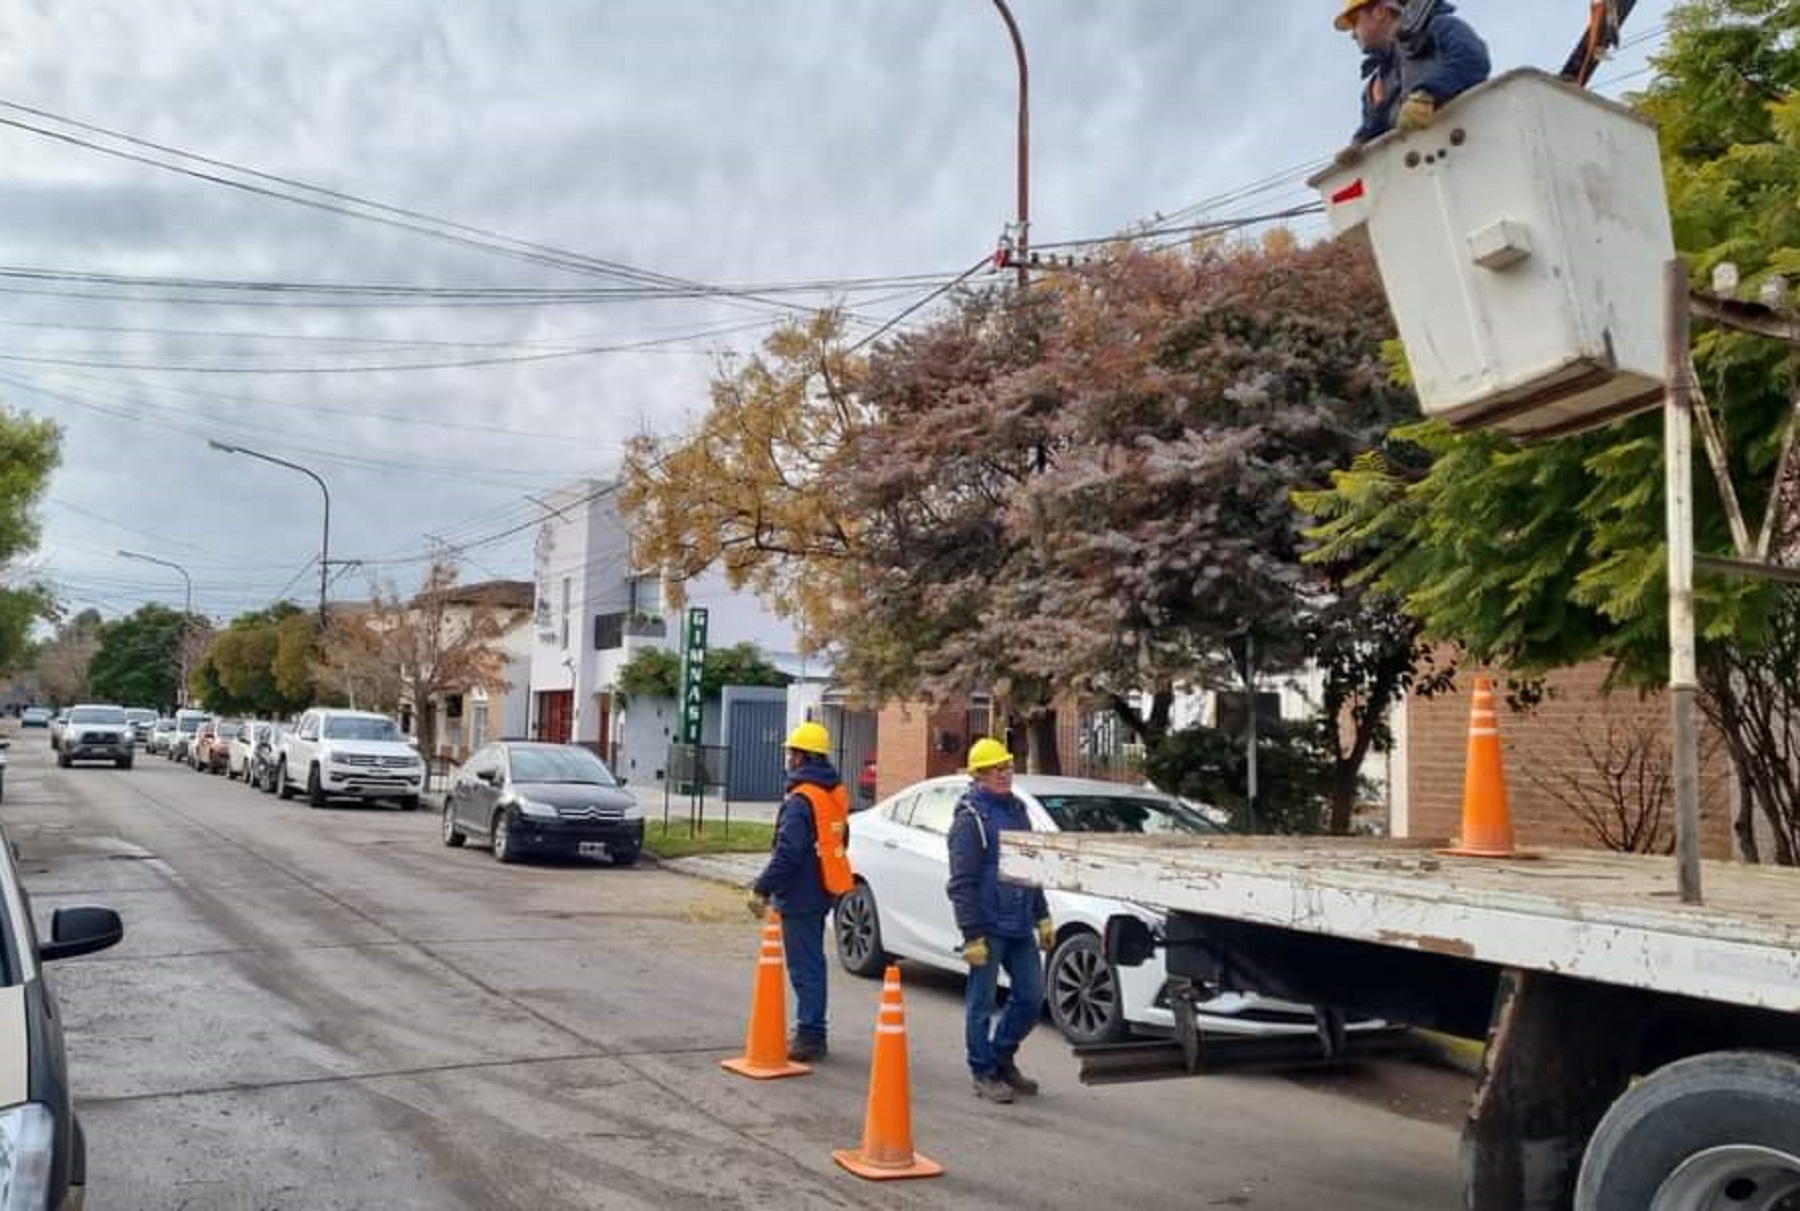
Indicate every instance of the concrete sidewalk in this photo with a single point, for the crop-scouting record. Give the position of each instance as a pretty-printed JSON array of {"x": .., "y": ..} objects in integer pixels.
[{"x": 737, "y": 870}]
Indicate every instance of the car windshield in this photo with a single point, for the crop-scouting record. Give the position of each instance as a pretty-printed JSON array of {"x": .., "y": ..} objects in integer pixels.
[
  {"x": 560, "y": 764},
  {"x": 190, "y": 724},
  {"x": 97, "y": 714},
  {"x": 1123, "y": 813},
  {"x": 140, "y": 716},
  {"x": 360, "y": 727}
]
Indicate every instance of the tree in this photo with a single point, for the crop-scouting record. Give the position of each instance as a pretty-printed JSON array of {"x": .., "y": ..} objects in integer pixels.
[
  {"x": 238, "y": 672},
  {"x": 30, "y": 449},
  {"x": 1211, "y": 766},
  {"x": 138, "y": 658},
  {"x": 296, "y": 653},
  {"x": 752, "y": 489},
  {"x": 741, "y": 664},
  {"x": 650, "y": 673},
  {"x": 62, "y": 664},
  {"x": 1543, "y": 556},
  {"x": 415, "y": 652}
]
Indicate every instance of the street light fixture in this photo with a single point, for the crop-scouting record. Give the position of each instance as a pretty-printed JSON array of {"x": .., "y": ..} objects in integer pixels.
[
  {"x": 325, "y": 540},
  {"x": 187, "y": 615}
]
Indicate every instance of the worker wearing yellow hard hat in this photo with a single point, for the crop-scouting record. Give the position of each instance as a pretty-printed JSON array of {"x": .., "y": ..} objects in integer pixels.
[
  {"x": 1417, "y": 55},
  {"x": 808, "y": 869},
  {"x": 1004, "y": 925}
]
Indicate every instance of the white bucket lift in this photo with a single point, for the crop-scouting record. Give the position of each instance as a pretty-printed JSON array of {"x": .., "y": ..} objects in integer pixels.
[{"x": 1521, "y": 239}]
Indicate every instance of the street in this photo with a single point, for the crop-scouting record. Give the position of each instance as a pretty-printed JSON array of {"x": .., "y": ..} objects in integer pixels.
[{"x": 330, "y": 1009}]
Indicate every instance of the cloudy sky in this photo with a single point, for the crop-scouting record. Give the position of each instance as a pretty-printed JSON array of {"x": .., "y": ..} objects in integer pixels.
[{"x": 642, "y": 147}]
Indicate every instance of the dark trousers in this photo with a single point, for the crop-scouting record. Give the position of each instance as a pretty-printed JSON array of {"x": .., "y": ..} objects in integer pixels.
[
  {"x": 803, "y": 941},
  {"x": 991, "y": 1046}
]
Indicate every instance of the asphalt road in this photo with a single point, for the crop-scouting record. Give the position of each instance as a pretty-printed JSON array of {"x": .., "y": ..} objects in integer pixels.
[{"x": 329, "y": 1009}]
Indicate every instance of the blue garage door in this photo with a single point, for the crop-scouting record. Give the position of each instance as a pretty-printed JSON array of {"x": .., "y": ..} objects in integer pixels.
[{"x": 755, "y": 740}]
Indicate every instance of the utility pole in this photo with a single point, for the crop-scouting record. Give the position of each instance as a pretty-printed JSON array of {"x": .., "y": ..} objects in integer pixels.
[{"x": 1022, "y": 248}]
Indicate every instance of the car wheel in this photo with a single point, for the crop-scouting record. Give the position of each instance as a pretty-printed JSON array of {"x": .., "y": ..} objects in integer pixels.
[
  {"x": 624, "y": 855},
  {"x": 1083, "y": 992},
  {"x": 857, "y": 927},
  {"x": 124, "y": 763},
  {"x": 453, "y": 836},
  {"x": 283, "y": 788},
  {"x": 500, "y": 839},
  {"x": 62, "y": 759},
  {"x": 315, "y": 792},
  {"x": 409, "y": 803}
]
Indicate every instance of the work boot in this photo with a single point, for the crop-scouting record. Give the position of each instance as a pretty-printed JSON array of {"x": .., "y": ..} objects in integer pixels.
[
  {"x": 1017, "y": 1081},
  {"x": 993, "y": 1089},
  {"x": 805, "y": 1048}
]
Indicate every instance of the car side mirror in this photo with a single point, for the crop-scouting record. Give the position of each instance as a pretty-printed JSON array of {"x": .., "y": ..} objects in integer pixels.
[
  {"x": 619, "y": 778},
  {"x": 489, "y": 776},
  {"x": 81, "y": 931}
]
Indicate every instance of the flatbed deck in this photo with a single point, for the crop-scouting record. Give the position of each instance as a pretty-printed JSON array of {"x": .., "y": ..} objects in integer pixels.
[{"x": 1611, "y": 918}]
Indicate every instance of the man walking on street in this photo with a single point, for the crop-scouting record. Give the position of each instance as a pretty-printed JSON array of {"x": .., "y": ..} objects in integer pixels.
[
  {"x": 1418, "y": 55},
  {"x": 1004, "y": 926},
  {"x": 808, "y": 869}
]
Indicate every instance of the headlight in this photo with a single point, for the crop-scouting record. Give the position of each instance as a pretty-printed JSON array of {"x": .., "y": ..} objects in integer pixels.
[
  {"x": 530, "y": 807},
  {"x": 633, "y": 811},
  {"x": 27, "y": 1146}
]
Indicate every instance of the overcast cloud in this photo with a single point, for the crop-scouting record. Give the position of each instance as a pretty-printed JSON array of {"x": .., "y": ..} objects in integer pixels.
[{"x": 724, "y": 141}]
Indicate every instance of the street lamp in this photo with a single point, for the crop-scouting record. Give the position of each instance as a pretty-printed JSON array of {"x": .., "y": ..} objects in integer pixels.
[
  {"x": 1024, "y": 152},
  {"x": 325, "y": 541},
  {"x": 187, "y": 614}
]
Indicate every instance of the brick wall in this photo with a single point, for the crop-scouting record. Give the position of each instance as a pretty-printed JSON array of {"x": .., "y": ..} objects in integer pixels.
[
  {"x": 1544, "y": 746},
  {"x": 909, "y": 735}
]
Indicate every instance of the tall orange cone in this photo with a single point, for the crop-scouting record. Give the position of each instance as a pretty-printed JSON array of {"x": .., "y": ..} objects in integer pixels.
[
  {"x": 765, "y": 1045},
  {"x": 887, "y": 1151},
  {"x": 1487, "y": 830}
]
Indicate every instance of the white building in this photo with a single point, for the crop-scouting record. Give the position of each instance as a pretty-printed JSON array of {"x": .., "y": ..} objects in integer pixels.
[
  {"x": 467, "y": 721},
  {"x": 595, "y": 610}
]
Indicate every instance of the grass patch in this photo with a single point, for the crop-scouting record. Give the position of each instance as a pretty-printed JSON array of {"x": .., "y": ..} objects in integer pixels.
[{"x": 744, "y": 837}]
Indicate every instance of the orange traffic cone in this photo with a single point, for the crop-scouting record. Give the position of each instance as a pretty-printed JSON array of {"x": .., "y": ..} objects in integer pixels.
[
  {"x": 1487, "y": 830},
  {"x": 765, "y": 1045},
  {"x": 887, "y": 1150}
]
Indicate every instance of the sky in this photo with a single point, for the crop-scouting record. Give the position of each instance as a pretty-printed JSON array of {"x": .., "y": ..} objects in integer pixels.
[{"x": 608, "y": 166}]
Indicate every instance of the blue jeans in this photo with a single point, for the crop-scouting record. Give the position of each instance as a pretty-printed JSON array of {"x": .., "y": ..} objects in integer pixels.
[
  {"x": 803, "y": 941},
  {"x": 992, "y": 1047}
]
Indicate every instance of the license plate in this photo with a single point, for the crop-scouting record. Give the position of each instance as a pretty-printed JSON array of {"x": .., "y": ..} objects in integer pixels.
[{"x": 592, "y": 849}]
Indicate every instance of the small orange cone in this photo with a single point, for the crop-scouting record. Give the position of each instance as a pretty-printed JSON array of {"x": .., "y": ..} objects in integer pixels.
[
  {"x": 1487, "y": 830},
  {"x": 765, "y": 1045},
  {"x": 887, "y": 1151}
]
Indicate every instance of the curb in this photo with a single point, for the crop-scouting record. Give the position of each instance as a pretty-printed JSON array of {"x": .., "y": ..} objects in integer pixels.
[{"x": 1460, "y": 1054}]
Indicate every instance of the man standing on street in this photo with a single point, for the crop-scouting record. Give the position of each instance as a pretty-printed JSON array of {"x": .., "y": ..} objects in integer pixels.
[
  {"x": 1004, "y": 926},
  {"x": 1418, "y": 55},
  {"x": 808, "y": 869}
]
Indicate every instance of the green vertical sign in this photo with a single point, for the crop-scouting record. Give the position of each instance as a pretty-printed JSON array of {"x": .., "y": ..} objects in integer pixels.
[{"x": 693, "y": 672}]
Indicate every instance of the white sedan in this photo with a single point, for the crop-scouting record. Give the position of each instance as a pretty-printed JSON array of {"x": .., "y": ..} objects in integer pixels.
[{"x": 899, "y": 910}]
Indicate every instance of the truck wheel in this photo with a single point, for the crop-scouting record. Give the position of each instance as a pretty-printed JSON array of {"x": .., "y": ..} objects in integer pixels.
[
  {"x": 1083, "y": 992},
  {"x": 1716, "y": 1130},
  {"x": 62, "y": 759},
  {"x": 857, "y": 927},
  {"x": 315, "y": 791},
  {"x": 283, "y": 788},
  {"x": 124, "y": 763},
  {"x": 409, "y": 803}
]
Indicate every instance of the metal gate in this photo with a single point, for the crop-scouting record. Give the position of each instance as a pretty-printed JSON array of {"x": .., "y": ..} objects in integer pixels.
[{"x": 754, "y": 733}]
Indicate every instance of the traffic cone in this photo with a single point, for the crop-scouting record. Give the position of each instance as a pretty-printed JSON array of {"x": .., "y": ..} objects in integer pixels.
[
  {"x": 1487, "y": 830},
  {"x": 887, "y": 1151},
  {"x": 765, "y": 1045}
]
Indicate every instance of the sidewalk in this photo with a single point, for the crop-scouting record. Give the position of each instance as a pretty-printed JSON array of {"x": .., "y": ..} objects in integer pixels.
[{"x": 738, "y": 870}]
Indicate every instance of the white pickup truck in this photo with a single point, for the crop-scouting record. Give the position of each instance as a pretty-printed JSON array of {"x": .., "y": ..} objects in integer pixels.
[
  {"x": 336, "y": 754},
  {"x": 1642, "y": 1054}
]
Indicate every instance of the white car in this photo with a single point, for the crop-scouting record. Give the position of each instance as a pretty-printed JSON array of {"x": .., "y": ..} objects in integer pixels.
[
  {"x": 162, "y": 734},
  {"x": 333, "y": 754},
  {"x": 240, "y": 757},
  {"x": 899, "y": 908}
]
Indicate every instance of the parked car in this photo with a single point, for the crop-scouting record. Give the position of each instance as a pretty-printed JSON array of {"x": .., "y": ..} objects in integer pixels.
[
  {"x": 900, "y": 910},
  {"x": 241, "y": 751},
  {"x": 187, "y": 726},
  {"x": 95, "y": 733},
  {"x": 141, "y": 720},
  {"x": 212, "y": 745},
  {"x": 36, "y": 716},
  {"x": 266, "y": 756},
  {"x": 523, "y": 798},
  {"x": 43, "y": 1165},
  {"x": 4, "y": 745},
  {"x": 57, "y": 722},
  {"x": 335, "y": 754},
  {"x": 162, "y": 732}
]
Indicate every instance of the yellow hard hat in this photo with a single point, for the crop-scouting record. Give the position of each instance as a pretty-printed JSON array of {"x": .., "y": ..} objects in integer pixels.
[
  {"x": 1347, "y": 18},
  {"x": 810, "y": 737},
  {"x": 986, "y": 754}
]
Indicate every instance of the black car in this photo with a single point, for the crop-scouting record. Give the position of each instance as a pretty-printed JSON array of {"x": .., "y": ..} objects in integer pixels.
[{"x": 523, "y": 798}]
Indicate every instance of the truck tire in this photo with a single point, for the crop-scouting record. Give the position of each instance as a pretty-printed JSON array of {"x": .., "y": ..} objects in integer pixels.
[
  {"x": 315, "y": 790},
  {"x": 283, "y": 788},
  {"x": 1714, "y": 1130},
  {"x": 62, "y": 759}
]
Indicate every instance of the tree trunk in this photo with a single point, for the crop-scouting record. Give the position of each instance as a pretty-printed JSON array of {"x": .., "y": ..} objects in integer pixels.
[
  {"x": 425, "y": 727},
  {"x": 1149, "y": 730},
  {"x": 1044, "y": 758}
]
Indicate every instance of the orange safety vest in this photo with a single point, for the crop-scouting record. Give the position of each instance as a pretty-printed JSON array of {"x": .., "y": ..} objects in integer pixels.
[{"x": 831, "y": 825}]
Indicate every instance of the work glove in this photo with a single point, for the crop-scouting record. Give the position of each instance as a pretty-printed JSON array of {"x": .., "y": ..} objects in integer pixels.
[
  {"x": 1046, "y": 934},
  {"x": 1416, "y": 112},
  {"x": 758, "y": 904},
  {"x": 975, "y": 952}
]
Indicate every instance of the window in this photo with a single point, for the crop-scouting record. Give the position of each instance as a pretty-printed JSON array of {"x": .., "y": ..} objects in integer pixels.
[
  {"x": 97, "y": 714},
  {"x": 558, "y": 763},
  {"x": 478, "y": 725},
  {"x": 1140, "y": 814},
  {"x": 609, "y": 632},
  {"x": 934, "y": 808},
  {"x": 901, "y": 808},
  {"x": 565, "y": 611},
  {"x": 309, "y": 726},
  {"x": 361, "y": 727}
]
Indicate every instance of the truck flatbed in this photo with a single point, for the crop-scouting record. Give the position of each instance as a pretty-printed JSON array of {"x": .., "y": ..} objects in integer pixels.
[{"x": 1609, "y": 918}]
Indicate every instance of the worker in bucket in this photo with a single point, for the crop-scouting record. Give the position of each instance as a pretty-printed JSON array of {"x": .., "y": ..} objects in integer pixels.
[
  {"x": 1004, "y": 926},
  {"x": 1417, "y": 56},
  {"x": 808, "y": 869}
]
